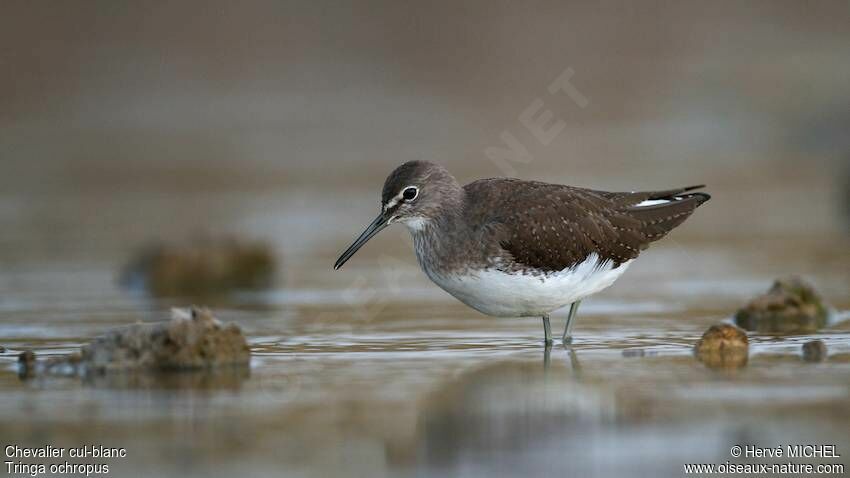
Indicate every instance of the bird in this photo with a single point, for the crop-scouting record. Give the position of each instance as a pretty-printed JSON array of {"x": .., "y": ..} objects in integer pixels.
[{"x": 517, "y": 248}]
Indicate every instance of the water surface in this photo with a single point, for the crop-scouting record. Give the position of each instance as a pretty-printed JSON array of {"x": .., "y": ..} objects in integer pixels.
[{"x": 373, "y": 371}]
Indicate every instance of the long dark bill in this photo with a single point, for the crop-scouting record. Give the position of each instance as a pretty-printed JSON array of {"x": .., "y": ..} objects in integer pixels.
[{"x": 377, "y": 226}]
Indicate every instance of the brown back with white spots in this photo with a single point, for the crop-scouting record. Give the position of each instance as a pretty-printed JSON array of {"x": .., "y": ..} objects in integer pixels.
[{"x": 549, "y": 227}]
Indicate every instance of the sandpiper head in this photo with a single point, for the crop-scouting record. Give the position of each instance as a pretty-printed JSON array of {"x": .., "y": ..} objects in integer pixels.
[{"x": 414, "y": 194}]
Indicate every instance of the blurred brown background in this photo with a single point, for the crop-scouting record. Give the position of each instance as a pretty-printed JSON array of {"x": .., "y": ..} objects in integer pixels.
[{"x": 121, "y": 121}]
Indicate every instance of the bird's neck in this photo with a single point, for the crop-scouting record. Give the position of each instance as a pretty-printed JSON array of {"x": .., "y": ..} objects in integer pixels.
[{"x": 439, "y": 238}]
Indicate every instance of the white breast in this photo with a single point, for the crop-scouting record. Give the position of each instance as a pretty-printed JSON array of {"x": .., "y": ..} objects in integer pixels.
[{"x": 500, "y": 294}]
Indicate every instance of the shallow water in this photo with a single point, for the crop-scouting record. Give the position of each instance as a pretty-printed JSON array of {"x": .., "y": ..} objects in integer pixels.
[{"x": 373, "y": 371}]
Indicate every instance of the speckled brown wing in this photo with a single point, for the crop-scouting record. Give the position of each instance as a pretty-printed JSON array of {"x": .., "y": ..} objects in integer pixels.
[{"x": 550, "y": 227}]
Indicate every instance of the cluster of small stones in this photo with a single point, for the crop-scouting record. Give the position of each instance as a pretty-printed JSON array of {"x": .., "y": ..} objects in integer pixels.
[
  {"x": 67, "y": 365},
  {"x": 790, "y": 306},
  {"x": 192, "y": 340},
  {"x": 203, "y": 267}
]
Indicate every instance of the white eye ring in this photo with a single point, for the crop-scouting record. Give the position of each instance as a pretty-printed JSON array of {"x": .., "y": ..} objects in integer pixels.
[{"x": 408, "y": 188}]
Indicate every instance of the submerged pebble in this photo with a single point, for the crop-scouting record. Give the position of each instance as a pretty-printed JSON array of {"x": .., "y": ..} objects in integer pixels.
[
  {"x": 790, "y": 306},
  {"x": 193, "y": 339},
  {"x": 814, "y": 351},
  {"x": 628, "y": 353},
  {"x": 723, "y": 346},
  {"x": 202, "y": 267},
  {"x": 26, "y": 364}
]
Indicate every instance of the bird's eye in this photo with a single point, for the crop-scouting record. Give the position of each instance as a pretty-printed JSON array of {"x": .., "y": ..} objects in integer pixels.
[{"x": 410, "y": 193}]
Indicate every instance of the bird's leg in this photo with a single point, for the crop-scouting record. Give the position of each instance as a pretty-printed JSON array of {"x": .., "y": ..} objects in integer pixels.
[
  {"x": 574, "y": 363},
  {"x": 547, "y": 330},
  {"x": 568, "y": 329}
]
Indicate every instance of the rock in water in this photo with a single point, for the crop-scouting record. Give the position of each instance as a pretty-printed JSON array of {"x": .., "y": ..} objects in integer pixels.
[
  {"x": 192, "y": 339},
  {"x": 790, "y": 306},
  {"x": 26, "y": 364},
  {"x": 204, "y": 267},
  {"x": 814, "y": 351},
  {"x": 723, "y": 346}
]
